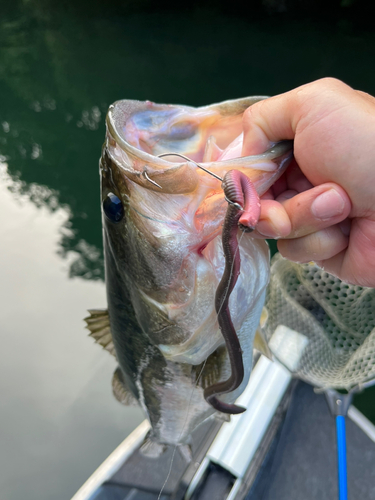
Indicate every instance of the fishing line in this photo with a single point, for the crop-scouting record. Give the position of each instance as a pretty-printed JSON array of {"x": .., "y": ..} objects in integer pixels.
[
  {"x": 183, "y": 428},
  {"x": 230, "y": 274},
  {"x": 198, "y": 378}
]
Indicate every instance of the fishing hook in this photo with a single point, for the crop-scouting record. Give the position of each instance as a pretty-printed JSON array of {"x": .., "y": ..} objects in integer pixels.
[
  {"x": 150, "y": 180},
  {"x": 236, "y": 205},
  {"x": 192, "y": 161}
]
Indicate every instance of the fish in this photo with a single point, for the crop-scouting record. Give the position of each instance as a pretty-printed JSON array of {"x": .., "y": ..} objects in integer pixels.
[{"x": 162, "y": 226}]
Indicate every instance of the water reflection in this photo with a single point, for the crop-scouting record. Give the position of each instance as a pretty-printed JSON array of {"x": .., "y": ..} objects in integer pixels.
[{"x": 59, "y": 419}]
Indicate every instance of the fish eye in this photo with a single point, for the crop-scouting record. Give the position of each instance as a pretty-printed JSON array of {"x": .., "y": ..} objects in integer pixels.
[{"x": 113, "y": 208}]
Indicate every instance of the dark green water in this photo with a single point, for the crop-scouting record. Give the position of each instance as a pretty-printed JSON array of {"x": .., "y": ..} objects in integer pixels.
[{"x": 59, "y": 71}]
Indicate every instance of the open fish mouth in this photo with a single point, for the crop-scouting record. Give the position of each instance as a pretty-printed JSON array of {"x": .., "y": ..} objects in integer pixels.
[{"x": 138, "y": 132}]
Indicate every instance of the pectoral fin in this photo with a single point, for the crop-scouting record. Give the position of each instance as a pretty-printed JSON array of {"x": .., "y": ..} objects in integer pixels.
[
  {"x": 100, "y": 330},
  {"x": 209, "y": 372},
  {"x": 121, "y": 391},
  {"x": 261, "y": 345}
]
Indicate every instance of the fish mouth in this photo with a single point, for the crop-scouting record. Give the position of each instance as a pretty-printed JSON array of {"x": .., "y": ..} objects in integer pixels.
[{"x": 138, "y": 132}]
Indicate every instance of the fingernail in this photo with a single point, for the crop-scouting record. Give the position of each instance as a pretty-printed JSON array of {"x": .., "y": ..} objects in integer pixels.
[{"x": 328, "y": 205}]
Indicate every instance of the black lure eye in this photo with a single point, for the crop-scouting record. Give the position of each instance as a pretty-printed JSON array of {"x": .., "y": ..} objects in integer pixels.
[{"x": 113, "y": 208}]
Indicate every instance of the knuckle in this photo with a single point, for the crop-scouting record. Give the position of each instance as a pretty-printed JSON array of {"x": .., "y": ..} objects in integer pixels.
[
  {"x": 319, "y": 87},
  {"x": 330, "y": 81}
]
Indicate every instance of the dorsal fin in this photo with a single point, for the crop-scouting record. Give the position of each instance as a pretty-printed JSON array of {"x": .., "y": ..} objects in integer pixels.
[{"x": 100, "y": 330}]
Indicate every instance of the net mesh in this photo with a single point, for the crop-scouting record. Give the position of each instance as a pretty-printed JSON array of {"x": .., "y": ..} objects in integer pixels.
[{"x": 330, "y": 336}]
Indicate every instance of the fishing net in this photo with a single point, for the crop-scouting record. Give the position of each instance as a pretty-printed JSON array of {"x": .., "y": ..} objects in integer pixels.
[{"x": 321, "y": 329}]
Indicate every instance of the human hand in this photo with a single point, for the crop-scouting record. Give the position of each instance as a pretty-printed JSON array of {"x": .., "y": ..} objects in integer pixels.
[{"x": 323, "y": 208}]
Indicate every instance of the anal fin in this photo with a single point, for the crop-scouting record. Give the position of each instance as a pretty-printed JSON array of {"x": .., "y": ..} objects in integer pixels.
[{"x": 151, "y": 448}]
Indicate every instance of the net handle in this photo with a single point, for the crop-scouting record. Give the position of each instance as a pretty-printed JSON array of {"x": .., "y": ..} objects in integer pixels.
[{"x": 341, "y": 457}]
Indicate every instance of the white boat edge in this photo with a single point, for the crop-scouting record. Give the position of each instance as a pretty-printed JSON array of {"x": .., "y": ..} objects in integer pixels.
[{"x": 112, "y": 463}]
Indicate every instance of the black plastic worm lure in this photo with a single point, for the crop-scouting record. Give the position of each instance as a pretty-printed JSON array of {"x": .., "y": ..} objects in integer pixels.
[{"x": 243, "y": 212}]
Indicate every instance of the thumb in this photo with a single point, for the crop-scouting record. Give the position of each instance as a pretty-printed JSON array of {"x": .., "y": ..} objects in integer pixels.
[{"x": 269, "y": 121}]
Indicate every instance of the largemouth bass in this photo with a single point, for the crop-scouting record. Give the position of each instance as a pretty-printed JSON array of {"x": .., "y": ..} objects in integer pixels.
[{"x": 162, "y": 224}]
